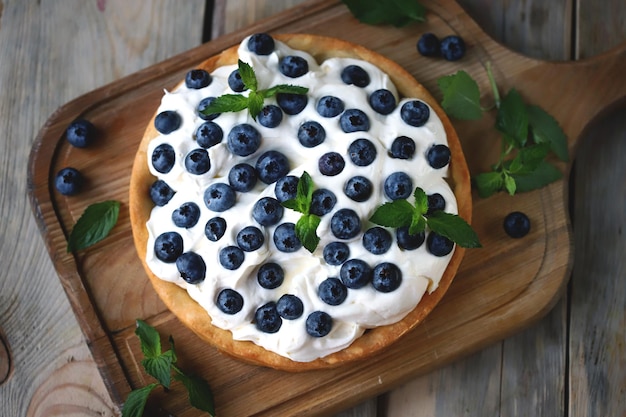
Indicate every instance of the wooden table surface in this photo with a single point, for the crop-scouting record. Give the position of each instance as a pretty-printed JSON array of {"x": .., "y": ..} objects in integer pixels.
[{"x": 571, "y": 363}]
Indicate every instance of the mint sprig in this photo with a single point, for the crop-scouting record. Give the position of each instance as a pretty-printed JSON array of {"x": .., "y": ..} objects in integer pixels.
[
  {"x": 306, "y": 226},
  {"x": 255, "y": 98},
  {"x": 93, "y": 225},
  {"x": 160, "y": 365},
  {"x": 401, "y": 213},
  {"x": 394, "y": 12}
]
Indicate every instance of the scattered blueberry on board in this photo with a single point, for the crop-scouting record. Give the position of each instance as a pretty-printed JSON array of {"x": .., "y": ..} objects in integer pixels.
[
  {"x": 516, "y": 224},
  {"x": 451, "y": 48},
  {"x": 428, "y": 45},
  {"x": 81, "y": 133},
  {"x": 69, "y": 181}
]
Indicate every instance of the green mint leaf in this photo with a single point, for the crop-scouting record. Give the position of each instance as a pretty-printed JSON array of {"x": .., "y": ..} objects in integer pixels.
[
  {"x": 544, "y": 174},
  {"x": 395, "y": 213},
  {"x": 418, "y": 223},
  {"x": 461, "y": 96},
  {"x": 395, "y": 12},
  {"x": 306, "y": 231},
  {"x": 528, "y": 158},
  {"x": 93, "y": 225},
  {"x": 247, "y": 75},
  {"x": 545, "y": 129},
  {"x": 136, "y": 401},
  {"x": 512, "y": 119},
  {"x": 200, "y": 394},
  {"x": 285, "y": 88},
  {"x": 488, "y": 183},
  {"x": 255, "y": 103},
  {"x": 421, "y": 200},
  {"x": 304, "y": 195},
  {"x": 509, "y": 184},
  {"x": 454, "y": 228},
  {"x": 160, "y": 368},
  {"x": 294, "y": 204},
  {"x": 226, "y": 103},
  {"x": 149, "y": 338}
]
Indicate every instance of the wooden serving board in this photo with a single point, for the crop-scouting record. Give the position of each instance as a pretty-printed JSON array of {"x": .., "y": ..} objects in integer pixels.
[{"x": 499, "y": 289}]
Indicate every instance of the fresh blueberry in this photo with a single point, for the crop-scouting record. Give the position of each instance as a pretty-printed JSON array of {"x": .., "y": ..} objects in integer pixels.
[
  {"x": 436, "y": 202},
  {"x": 408, "y": 241},
  {"x": 402, "y": 147},
  {"x": 202, "y": 109},
  {"x": 329, "y": 106},
  {"x": 270, "y": 275},
  {"x": 219, "y": 197},
  {"x": 355, "y": 273},
  {"x": 197, "y": 78},
  {"x": 81, "y": 133},
  {"x": 516, "y": 224},
  {"x": 215, "y": 229},
  {"x": 267, "y": 319},
  {"x": 261, "y": 44},
  {"x": 286, "y": 188},
  {"x": 293, "y": 66},
  {"x": 161, "y": 193},
  {"x": 197, "y": 161},
  {"x": 235, "y": 82},
  {"x": 322, "y": 201},
  {"x": 167, "y": 121},
  {"x": 69, "y": 181},
  {"x": 382, "y": 101},
  {"x": 386, "y": 277},
  {"x": 290, "y": 103},
  {"x": 187, "y": 215},
  {"x": 353, "y": 74},
  {"x": 250, "y": 238},
  {"x": 243, "y": 139},
  {"x": 209, "y": 134},
  {"x": 289, "y": 307},
  {"x": 242, "y": 177},
  {"x": 428, "y": 45},
  {"x": 163, "y": 158},
  {"x": 415, "y": 113},
  {"x": 270, "y": 116},
  {"x": 336, "y": 253},
  {"x": 354, "y": 120},
  {"x": 191, "y": 267},
  {"x": 398, "y": 186},
  {"x": 377, "y": 240},
  {"x": 358, "y": 189},
  {"x": 272, "y": 166},
  {"x": 332, "y": 291},
  {"x": 311, "y": 134},
  {"x": 362, "y": 152},
  {"x": 319, "y": 324},
  {"x": 285, "y": 238},
  {"x": 452, "y": 48},
  {"x": 438, "y": 156},
  {"x": 345, "y": 224},
  {"x": 267, "y": 211},
  {"x": 231, "y": 257},
  {"x": 439, "y": 245},
  {"x": 331, "y": 164},
  {"x": 168, "y": 247},
  {"x": 229, "y": 301}
]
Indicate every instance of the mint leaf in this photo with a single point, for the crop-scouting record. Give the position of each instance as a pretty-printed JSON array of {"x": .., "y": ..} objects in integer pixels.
[
  {"x": 159, "y": 368},
  {"x": 418, "y": 223},
  {"x": 528, "y": 158},
  {"x": 93, "y": 225},
  {"x": 226, "y": 103},
  {"x": 248, "y": 77},
  {"x": 285, "y": 88},
  {"x": 304, "y": 191},
  {"x": 509, "y": 184},
  {"x": 461, "y": 96},
  {"x": 149, "y": 338},
  {"x": 136, "y": 401},
  {"x": 395, "y": 213},
  {"x": 395, "y": 12},
  {"x": 421, "y": 200},
  {"x": 255, "y": 104},
  {"x": 306, "y": 228},
  {"x": 545, "y": 129},
  {"x": 454, "y": 228},
  {"x": 543, "y": 175},
  {"x": 200, "y": 395},
  {"x": 512, "y": 119},
  {"x": 488, "y": 183}
]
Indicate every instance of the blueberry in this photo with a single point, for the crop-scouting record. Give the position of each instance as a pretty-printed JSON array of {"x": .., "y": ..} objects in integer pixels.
[
  {"x": 270, "y": 276},
  {"x": 408, "y": 241},
  {"x": 69, "y": 181},
  {"x": 202, "y": 109},
  {"x": 398, "y": 186},
  {"x": 332, "y": 291},
  {"x": 197, "y": 161},
  {"x": 353, "y": 74},
  {"x": 267, "y": 319},
  {"x": 382, "y": 101},
  {"x": 436, "y": 202},
  {"x": 329, "y": 106},
  {"x": 345, "y": 224},
  {"x": 354, "y": 120},
  {"x": 355, "y": 273},
  {"x": 272, "y": 166},
  {"x": 267, "y": 211},
  {"x": 289, "y": 307},
  {"x": 163, "y": 158},
  {"x": 428, "y": 45},
  {"x": 285, "y": 238},
  {"x": 386, "y": 277},
  {"x": 415, "y": 113},
  {"x": 377, "y": 240},
  {"x": 286, "y": 188},
  {"x": 191, "y": 267},
  {"x": 438, "y": 156},
  {"x": 161, "y": 193},
  {"x": 311, "y": 134},
  {"x": 229, "y": 301},
  {"x": 290, "y": 103},
  {"x": 516, "y": 224},
  {"x": 336, "y": 253},
  {"x": 215, "y": 229},
  {"x": 439, "y": 245},
  {"x": 452, "y": 48},
  {"x": 358, "y": 189},
  {"x": 198, "y": 78},
  {"x": 167, "y": 121},
  {"x": 168, "y": 247},
  {"x": 322, "y": 201},
  {"x": 231, "y": 257},
  {"x": 242, "y": 177},
  {"x": 243, "y": 139},
  {"x": 219, "y": 197},
  {"x": 209, "y": 134},
  {"x": 362, "y": 152},
  {"x": 235, "y": 82},
  {"x": 270, "y": 116},
  {"x": 187, "y": 215},
  {"x": 250, "y": 238},
  {"x": 331, "y": 164},
  {"x": 81, "y": 133},
  {"x": 261, "y": 44},
  {"x": 319, "y": 324},
  {"x": 402, "y": 147},
  {"x": 293, "y": 66}
]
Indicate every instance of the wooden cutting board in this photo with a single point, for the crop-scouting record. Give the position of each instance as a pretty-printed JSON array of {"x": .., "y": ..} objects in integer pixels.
[{"x": 499, "y": 289}]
